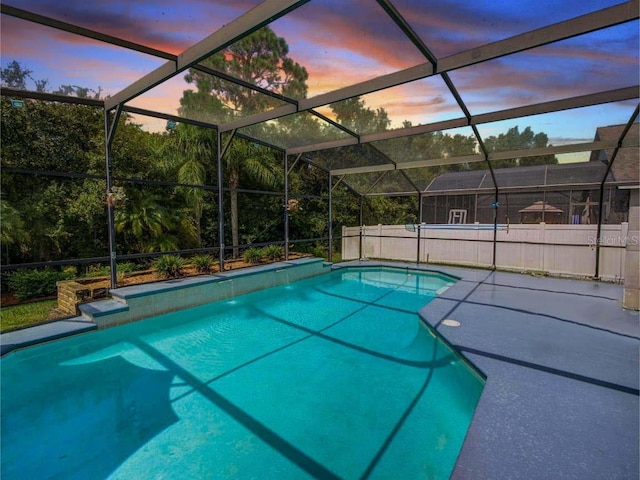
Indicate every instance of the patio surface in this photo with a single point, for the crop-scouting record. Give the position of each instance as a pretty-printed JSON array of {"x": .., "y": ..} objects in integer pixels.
[{"x": 561, "y": 360}]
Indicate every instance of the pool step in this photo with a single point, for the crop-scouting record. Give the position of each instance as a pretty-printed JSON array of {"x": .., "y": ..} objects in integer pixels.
[{"x": 93, "y": 310}]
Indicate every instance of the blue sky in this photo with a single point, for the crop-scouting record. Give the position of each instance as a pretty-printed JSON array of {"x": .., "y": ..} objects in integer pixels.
[{"x": 341, "y": 42}]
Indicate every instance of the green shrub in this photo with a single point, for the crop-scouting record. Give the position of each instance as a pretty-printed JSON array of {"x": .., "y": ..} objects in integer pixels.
[
  {"x": 169, "y": 266},
  {"x": 319, "y": 251},
  {"x": 202, "y": 263},
  {"x": 26, "y": 284},
  {"x": 97, "y": 271},
  {"x": 274, "y": 252},
  {"x": 128, "y": 267},
  {"x": 252, "y": 255}
]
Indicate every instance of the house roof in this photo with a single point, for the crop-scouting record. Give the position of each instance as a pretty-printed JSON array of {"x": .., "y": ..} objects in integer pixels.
[{"x": 626, "y": 165}]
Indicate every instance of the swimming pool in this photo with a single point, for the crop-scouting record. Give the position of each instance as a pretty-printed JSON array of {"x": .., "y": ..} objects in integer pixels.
[{"x": 330, "y": 377}]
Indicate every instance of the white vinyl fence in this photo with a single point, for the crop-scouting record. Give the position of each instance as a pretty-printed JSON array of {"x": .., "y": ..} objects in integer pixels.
[{"x": 563, "y": 250}]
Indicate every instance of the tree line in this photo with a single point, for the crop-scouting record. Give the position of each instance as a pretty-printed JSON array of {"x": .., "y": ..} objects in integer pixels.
[{"x": 53, "y": 200}]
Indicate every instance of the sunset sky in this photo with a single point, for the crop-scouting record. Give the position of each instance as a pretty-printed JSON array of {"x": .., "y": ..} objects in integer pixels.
[{"x": 341, "y": 42}]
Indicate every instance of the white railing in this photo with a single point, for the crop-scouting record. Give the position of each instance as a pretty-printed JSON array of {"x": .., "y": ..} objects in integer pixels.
[{"x": 564, "y": 250}]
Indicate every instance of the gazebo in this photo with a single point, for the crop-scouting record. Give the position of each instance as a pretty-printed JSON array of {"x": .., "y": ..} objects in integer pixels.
[{"x": 541, "y": 212}]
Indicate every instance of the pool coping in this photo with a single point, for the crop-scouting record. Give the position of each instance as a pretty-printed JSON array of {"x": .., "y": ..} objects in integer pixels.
[
  {"x": 44, "y": 332},
  {"x": 561, "y": 360}
]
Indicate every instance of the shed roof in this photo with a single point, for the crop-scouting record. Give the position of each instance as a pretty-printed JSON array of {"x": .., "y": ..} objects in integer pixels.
[{"x": 549, "y": 177}]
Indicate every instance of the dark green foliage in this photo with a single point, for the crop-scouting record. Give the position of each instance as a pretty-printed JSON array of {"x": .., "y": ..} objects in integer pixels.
[
  {"x": 356, "y": 116},
  {"x": 253, "y": 255},
  {"x": 169, "y": 266},
  {"x": 273, "y": 252},
  {"x": 516, "y": 140},
  {"x": 47, "y": 216},
  {"x": 128, "y": 267},
  {"x": 319, "y": 251},
  {"x": 62, "y": 217},
  {"x": 104, "y": 270},
  {"x": 202, "y": 263},
  {"x": 26, "y": 284}
]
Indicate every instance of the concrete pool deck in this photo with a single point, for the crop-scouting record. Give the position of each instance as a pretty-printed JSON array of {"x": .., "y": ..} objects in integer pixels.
[
  {"x": 561, "y": 360},
  {"x": 561, "y": 399}
]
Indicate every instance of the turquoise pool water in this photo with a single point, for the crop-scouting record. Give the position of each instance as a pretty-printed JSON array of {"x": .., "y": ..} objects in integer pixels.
[{"x": 330, "y": 377}]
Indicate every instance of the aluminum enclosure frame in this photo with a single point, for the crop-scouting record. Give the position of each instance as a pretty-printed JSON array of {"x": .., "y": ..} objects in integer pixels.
[{"x": 270, "y": 10}]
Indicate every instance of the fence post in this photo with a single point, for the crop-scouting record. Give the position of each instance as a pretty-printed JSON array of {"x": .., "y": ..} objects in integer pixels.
[{"x": 543, "y": 245}]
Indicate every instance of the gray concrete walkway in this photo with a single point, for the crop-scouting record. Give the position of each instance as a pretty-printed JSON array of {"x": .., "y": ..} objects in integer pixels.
[{"x": 561, "y": 360}]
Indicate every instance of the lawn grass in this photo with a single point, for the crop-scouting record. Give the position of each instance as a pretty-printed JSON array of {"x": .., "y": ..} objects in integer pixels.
[{"x": 26, "y": 314}]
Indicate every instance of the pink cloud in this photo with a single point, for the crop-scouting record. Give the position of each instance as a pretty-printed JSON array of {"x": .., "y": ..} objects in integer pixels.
[{"x": 352, "y": 27}]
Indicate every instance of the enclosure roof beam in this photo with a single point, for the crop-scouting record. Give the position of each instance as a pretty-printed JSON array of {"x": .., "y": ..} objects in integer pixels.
[
  {"x": 441, "y": 161},
  {"x": 166, "y": 116},
  {"x": 391, "y": 194},
  {"x": 369, "y": 169},
  {"x": 50, "y": 97},
  {"x": 607, "y": 17},
  {"x": 251, "y": 21},
  {"x": 406, "y": 28},
  {"x": 316, "y": 147},
  {"x": 372, "y": 186},
  {"x": 552, "y": 150},
  {"x": 617, "y": 95},
  {"x": 198, "y": 123},
  {"x": 272, "y": 114},
  {"x": 243, "y": 83},
  {"x": 520, "y": 188},
  {"x": 573, "y": 27},
  {"x": 529, "y": 152},
  {"x": 409, "y": 165},
  {"x": 588, "y": 100},
  {"x": 85, "y": 32},
  {"x": 378, "y": 83}
]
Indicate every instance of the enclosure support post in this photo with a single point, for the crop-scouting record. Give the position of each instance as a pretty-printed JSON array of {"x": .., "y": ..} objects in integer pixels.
[
  {"x": 596, "y": 276},
  {"x": 361, "y": 226},
  {"x": 286, "y": 206},
  {"x": 495, "y": 228},
  {"x": 219, "y": 155},
  {"x": 330, "y": 221},
  {"x": 419, "y": 229},
  {"x": 485, "y": 152},
  {"x": 109, "y": 131}
]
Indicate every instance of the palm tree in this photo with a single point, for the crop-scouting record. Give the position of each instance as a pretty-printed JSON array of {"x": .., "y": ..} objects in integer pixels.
[
  {"x": 255, "y": 161},
  {"x": 148, "y": 221},
  {"x": 188, "y": 150},
  {"x": 13, "y": 230}
]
